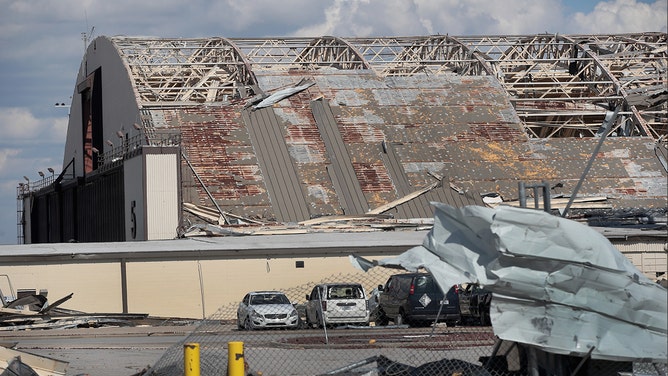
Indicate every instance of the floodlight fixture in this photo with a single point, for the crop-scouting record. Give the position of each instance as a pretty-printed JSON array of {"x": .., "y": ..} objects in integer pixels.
[
  {"x": 51, "y": 170},
  {"x": 41, "y": 174},
  {"x": 110, "y": 143},
  {"x": 25, "y": 177}
]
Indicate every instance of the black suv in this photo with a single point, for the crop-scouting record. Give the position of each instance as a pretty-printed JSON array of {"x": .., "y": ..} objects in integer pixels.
[
  {"x": 415, "y": 299},
  {"x": 474, "y": 303}
]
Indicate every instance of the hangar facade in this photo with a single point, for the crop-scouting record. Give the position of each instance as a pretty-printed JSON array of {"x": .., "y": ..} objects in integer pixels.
[
  {"x": 165, "y": 134},
  {"x": 172, "y": 138}
]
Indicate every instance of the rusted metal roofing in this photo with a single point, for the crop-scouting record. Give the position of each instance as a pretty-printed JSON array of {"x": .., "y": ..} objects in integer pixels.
[
  {"x": 354, "y": 142},
  {"x": 394, "y": 123}
]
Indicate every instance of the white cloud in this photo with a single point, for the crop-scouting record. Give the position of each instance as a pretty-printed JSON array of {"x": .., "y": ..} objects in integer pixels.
[
  {"x": 419, "y": 17},
  {"x": 19, "y": 124},
  {"x": 623, "y": 16},
  {"x": 5, "y": 157}
]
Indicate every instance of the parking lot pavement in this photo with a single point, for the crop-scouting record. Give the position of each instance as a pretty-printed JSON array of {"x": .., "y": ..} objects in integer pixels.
[{"x": 106, "y": 351}]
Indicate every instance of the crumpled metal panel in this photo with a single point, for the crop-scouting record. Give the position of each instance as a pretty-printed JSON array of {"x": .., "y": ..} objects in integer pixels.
[{"x": 557, "y": 284}]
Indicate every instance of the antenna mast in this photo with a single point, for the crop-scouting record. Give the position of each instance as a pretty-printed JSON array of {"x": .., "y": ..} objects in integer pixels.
[{"x": 86, "y": 37}]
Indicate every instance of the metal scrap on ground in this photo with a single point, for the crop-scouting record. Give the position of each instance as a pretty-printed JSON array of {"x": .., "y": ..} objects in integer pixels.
[{"x": 34, "y": 312}]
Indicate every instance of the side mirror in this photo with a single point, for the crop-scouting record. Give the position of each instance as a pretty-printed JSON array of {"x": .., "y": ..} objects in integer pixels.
[{"x": 380, "y": 288}]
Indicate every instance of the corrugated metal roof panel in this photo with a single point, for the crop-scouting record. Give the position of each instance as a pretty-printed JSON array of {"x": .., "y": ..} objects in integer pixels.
[
  {"x": 448, "y": 126},
  {"x": 283, "y": 184},
  {"x": 341, "y": 168}
]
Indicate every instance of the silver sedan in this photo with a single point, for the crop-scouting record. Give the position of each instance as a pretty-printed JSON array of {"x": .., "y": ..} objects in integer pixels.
[{"x": 266, "y": 309}]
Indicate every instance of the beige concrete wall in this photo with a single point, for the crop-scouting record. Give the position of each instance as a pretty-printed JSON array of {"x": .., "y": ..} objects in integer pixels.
[
  {"x": 173, "y": 288},
  {"x": 96, "y": 287},
  {"x": 193, "y": 289}
]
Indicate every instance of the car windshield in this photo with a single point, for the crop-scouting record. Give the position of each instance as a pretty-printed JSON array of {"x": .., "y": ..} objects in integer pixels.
[
  {"x": 269, "y": 299},
  {"x": 345, "y": 292}
]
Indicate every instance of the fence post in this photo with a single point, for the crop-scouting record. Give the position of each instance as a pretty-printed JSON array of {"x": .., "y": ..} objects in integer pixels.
[
  {"x": 191, "y": 359},
  {"x": 235, "y": 359}
]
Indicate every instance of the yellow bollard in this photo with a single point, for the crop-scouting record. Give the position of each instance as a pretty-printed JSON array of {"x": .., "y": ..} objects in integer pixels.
[
  {"x": 191, "y": 359},
  {"x": 235, "y": 359}
]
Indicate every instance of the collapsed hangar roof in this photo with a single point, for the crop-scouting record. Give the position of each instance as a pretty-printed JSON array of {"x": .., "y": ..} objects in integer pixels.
[{"x": 369, "y": 121}]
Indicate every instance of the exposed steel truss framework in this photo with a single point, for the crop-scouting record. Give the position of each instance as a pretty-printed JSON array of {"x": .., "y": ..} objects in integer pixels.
[{"x": 560, "y": 85}]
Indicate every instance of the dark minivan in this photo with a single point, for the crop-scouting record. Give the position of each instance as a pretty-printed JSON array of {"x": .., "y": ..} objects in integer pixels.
[{"x": 416, "y": 300}]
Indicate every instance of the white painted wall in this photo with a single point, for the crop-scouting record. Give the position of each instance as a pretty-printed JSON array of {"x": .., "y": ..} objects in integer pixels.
[{"x": 162, "y": 200}]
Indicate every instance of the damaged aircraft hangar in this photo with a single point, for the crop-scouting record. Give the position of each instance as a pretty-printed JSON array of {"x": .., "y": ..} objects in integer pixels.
[
  {"x": 164, "y": 132},
  {"x": 172, "y": 138}
]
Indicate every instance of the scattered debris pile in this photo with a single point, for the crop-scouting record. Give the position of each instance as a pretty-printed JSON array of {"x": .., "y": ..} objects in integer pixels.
[
  {"x": 33, "y": 311},
  {"x": 14, "y": 362},
  {"x": 557, "y": 285}
]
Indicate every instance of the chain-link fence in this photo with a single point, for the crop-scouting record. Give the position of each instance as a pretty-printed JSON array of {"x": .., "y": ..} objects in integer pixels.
[{"x": 381, "y": 325}]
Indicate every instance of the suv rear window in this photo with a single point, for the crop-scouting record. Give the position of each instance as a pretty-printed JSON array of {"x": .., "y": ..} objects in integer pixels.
[
  {"x": 421, "y": 281},
  {"x": 345, "y": 292}
]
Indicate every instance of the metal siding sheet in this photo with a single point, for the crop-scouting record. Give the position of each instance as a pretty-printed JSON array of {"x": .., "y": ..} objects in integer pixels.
[
  {"x": 283, "y": 185},
  {"x": 350, "y": 193},
  {"x": 68, "y": 218},
  {"x": 100, "y": 210},
  {"x": 414, "y": 208},
  {"x": 162, "y": 203}
]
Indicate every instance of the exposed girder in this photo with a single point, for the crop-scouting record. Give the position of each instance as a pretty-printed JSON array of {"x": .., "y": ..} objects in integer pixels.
[
  {"x": 177, "y": 71},
  {"x": 331, "y": 52},
  {"x": 559, "y": 85}
]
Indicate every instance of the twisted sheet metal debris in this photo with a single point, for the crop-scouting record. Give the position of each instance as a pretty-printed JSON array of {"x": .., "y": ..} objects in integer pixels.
[
  {"x": 557, "y": 284},
  {"x": 282, "y": 94},
  {"x": 20, "y": 363}
]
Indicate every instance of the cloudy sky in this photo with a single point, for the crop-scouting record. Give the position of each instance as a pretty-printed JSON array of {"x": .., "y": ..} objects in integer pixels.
[{"x": 41, "y": 47}]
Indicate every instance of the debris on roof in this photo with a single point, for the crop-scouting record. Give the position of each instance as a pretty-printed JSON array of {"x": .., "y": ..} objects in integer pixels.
[
  {"x": 557, "y": 284},
  {"x": 283, "y": 93}
]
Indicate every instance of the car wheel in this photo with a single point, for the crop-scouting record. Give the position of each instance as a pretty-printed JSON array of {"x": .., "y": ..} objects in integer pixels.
[
  {"x": 310, "y": 323},
  {"x": 403, "y": 319},
  {"x": 422, "y": 324},
  {"x": 248, "y": 324},
  {"x": 485, "y": 320},
  {"x": 381, "y": 318},
  {"x": 318, "y": 322}
]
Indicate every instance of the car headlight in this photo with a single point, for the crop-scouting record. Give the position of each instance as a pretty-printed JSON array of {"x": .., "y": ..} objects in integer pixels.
[
  {"x": 293, "y": 313},
  {"x": 254, "y": 314}
]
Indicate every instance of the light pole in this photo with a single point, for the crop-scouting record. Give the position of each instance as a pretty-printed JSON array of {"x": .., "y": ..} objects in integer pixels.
[{"x": 62, "y": 104}]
